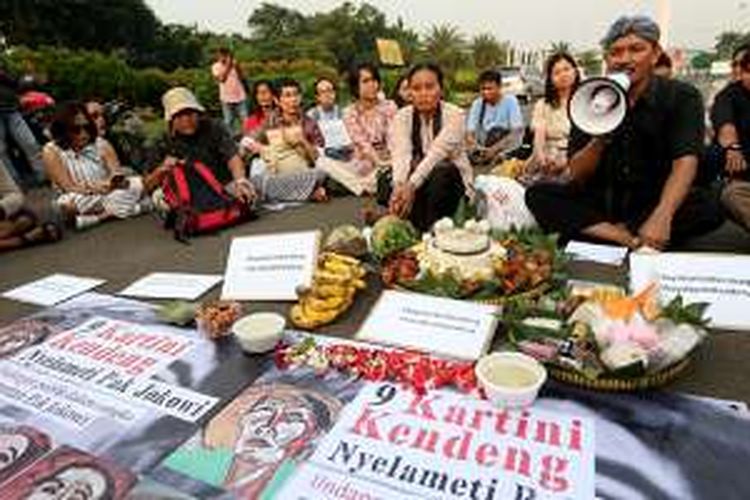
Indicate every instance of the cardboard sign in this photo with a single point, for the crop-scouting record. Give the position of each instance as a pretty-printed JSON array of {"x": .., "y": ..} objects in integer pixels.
[
  {"x": 270, "y": 266},
  {"x": 722, "y": 280},
  {"x": 389, "y": 52},
  {"x": 453, "y": 328},
  {"x": 172, "y": 286},
  {"x": 52, "y": 290}
]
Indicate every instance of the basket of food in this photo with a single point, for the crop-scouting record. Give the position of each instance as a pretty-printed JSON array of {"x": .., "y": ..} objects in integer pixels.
[
  {"x": 466, "y": 261},
  {"x": 609, "y": 341}
]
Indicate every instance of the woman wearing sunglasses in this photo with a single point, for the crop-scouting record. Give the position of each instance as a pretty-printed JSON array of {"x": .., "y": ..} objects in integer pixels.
[{"x": 86, "y": 176}]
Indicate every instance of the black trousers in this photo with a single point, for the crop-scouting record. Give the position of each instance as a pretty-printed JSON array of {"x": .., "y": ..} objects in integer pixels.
[
  {"x": 568, "y": 210},
  {"x": 437, "y": 197}
]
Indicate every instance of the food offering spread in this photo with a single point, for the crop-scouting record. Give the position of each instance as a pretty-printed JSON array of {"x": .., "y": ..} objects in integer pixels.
[
  {"x": 472, "y": 262},
  {"x": 609, "y": 340}
]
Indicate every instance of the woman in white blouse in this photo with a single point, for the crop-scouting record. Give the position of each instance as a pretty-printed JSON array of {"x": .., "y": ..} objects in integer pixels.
[{"x": 550, "y": 122}]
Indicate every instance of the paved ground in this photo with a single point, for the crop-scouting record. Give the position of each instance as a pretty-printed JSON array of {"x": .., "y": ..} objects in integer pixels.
[{"x": 122, "y": 251}]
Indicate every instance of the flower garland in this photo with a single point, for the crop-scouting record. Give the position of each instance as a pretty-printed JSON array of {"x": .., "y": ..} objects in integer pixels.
[{"x": 416, "y": 370}]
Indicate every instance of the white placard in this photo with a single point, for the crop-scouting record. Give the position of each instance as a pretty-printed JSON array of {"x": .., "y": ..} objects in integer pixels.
[
  {"x": 270, "y": 266},
  {"x": 444, "y": 445},
  {"x": 722, "y": 280},
  {"x": 591, "y": 252},
  {"x": 172, "y": 286},
  {"x": 454, "y": 328},
  {"x": 52, "y": 290},
  {"x": 334, "y": 133}
]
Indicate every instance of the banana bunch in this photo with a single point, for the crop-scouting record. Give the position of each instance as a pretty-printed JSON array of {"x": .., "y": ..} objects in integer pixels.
[{"x": 335, "y": 282}]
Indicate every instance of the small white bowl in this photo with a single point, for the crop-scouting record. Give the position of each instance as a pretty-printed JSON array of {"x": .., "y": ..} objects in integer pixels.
[
  {"x": 259, "y": 332},
  {"x": 510, "y": 379}
]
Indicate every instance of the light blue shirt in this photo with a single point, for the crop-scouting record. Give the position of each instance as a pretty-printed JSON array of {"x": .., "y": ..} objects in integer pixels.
[{"x": 506, "y": 114}]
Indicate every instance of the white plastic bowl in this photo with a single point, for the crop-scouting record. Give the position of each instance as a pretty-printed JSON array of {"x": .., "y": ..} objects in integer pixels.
[
  {"x": 510, "y": 379},
  {"x": 259, "y": 332}
]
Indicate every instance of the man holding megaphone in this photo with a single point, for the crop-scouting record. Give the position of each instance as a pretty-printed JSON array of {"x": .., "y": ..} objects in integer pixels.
[{"x": 634, "y": 149}]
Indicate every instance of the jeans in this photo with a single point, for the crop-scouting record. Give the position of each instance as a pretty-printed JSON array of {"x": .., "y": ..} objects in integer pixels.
[
  {"x": 12, "y": 122},
  {"x": 232, "y": 110}
]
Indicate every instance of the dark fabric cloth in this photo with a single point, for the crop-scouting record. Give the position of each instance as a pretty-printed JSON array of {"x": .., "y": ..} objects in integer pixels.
[
  {"x": 8, "y": 87},
  {"x": 666, "y": 123},
  {"x": 567, "y": 210},
  {"x": 437, "y": 197},
  {"x": 211, "y": 145},
  {"x": 732, "y": 106},
  {"x": 418, "y": 153}
]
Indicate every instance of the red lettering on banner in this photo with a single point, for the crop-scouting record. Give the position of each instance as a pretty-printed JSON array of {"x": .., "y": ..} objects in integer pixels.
[
  {"x": 366, "y": 424},
  {"x": 420, "y": 407},
  {"x": 553, "y": 469},
  {"x": 399, "y": 434},
  {"x": 488, "y": 454}
]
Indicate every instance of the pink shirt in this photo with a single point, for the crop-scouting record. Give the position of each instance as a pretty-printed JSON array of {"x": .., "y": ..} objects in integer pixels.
[
  {"x": 448, "y": 144},
  {"x": 369, "y": 132},
  {"x": 231, "y": 90}
]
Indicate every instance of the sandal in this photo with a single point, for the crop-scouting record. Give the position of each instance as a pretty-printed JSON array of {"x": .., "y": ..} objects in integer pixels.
[{"x": 49, "y": 232}]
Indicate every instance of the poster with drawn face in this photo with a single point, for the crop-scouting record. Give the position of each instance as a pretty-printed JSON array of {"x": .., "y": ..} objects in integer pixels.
[
  {"x": 122, "y": 424},
  {"x": 261, "y": 436},
  {"x": 19, "y": 447},
  {"x": 70, "y": 474}
]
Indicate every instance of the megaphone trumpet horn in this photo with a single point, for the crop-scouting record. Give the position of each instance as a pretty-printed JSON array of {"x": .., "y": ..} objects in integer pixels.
[{"x": 599, "y": 105}]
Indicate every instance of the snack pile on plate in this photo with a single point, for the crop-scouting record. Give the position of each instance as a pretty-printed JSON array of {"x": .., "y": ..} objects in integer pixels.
[{"x": 610, "y": 334}]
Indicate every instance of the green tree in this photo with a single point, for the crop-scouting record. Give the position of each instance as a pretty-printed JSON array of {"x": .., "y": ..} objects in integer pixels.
[
  {"x": 487, "y": 52},
  {"x": 590, "y": 61},
  {"x": 88, "y": 24},
  {"x": 444, "y": 44},
  {"x": 561, "y": 47},
  {"x": 702, "y": 60},
  {"x": 728, "y": 41}
]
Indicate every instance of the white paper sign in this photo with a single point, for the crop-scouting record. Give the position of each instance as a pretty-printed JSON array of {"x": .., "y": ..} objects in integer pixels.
[
  {"x": 334, "y": 133},
  {"x": 52, "y": 290},
  {"x": 602, "y": 254},
  {"x": 454, "y": 328},
  {"x": 445, "y": 445},
  {"x": 721, "y": 280},
  {"x": 172, "y": 286},
  {"x": 271, "y": 266}
]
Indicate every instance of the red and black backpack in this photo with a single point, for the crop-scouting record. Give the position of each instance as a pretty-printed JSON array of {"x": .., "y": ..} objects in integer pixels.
[{"x": 198, "y": 203}]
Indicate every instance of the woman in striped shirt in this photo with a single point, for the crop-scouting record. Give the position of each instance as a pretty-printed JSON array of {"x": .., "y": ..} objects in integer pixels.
[{"x": 89, "y": 186}]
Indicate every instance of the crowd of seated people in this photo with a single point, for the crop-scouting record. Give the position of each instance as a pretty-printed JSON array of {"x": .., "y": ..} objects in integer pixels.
[{"x": 650, "y": 182}]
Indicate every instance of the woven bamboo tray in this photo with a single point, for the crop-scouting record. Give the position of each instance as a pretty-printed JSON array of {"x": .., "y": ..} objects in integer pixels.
[{"x": 616, "y": 384}]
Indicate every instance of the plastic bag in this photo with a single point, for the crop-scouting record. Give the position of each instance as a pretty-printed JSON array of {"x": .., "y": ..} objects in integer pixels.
[{"x": 500, "y": 200}]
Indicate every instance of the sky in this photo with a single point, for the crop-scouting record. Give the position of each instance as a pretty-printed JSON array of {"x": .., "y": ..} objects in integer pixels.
[{"x": 528, "y": 24}]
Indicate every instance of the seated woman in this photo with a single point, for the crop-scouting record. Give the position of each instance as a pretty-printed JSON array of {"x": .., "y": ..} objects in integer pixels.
[
  {"x": 264, "y": 106},
  {"x": 431, "y": 172},
  {"x": 367, "y": 122},
  {"x": 90, "y": 188},
  {"x": 19, "y": 227},
  {"x": 550, "y": 122},
  {"x": 401, "y": 94},
  {"x": 289, "y": 149},
  {"x": 193, "y": 136},
  {"x": 336, "y": 157}
]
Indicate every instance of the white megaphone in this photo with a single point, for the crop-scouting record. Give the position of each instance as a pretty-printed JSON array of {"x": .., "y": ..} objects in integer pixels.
[{"x": 599, "y": 105}]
